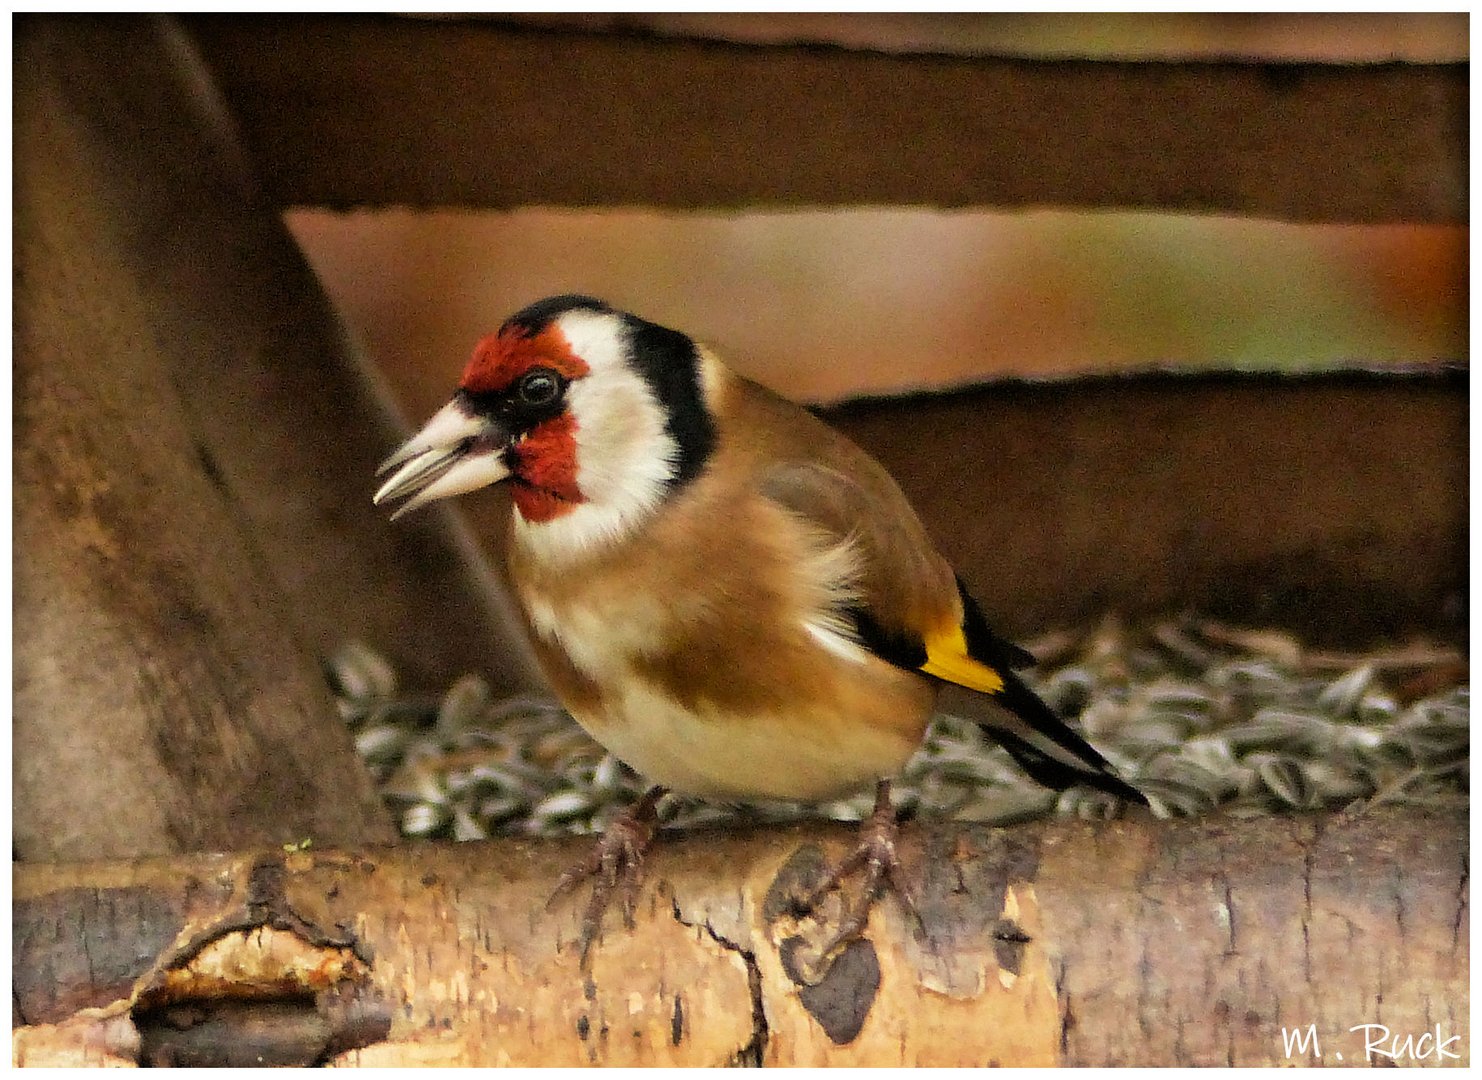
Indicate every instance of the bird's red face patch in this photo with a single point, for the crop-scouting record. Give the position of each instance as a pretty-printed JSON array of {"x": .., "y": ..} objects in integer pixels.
[
  {"x": 499, "y": 359},
  {"x": 543, "y": 463},
  {"x": 543, "y": 470}
]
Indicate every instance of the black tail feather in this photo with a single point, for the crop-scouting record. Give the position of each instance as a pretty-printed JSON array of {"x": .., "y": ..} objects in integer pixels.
[
  {"x": 1092, "y": 769},
  {"x": 1045, "y": 770},
  {"x": 1079, "y": 763}
]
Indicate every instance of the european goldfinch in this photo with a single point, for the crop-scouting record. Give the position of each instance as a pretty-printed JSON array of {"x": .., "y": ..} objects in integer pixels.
[{"x": 731, "y": 597}]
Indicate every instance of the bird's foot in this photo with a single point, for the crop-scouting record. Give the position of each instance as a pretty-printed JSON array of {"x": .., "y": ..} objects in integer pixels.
[
  {"x": 876, "y": 855},
  {"x": 614, "y": 864}
]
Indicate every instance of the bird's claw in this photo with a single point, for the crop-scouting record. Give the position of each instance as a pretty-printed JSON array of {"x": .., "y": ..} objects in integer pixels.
[
  {"x": 876, "y": 855},
  {"x": 614, "y": 863}
]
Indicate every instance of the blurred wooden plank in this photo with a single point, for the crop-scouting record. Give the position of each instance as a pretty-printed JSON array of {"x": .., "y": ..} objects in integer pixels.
[
  {"x": 1334, "y": 505},
  {"x": 288, "y": 426},
  {"x": 372, "y": 110},
  {"x": 166, "y": 696},
  {"x": 195, "y": 444}
]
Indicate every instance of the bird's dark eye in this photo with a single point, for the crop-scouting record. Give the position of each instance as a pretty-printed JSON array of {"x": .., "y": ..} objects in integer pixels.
[{"x": 538, "y": 386}]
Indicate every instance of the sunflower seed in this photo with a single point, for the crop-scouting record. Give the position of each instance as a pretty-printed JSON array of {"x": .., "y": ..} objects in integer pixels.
[
  {"x": 417, "y": 782},
  {"x": 463, "y": 706},
  {"x": 1068, "y": 690},
  {"x": 1281, "y": 729},
  {"x": 515, "y": 774},
  {"x": 1277, "y": 645},
  {"x": 1150, "y": 735},
  {"x": 526, "y": 708},
  {"x": 423, "y": 820},
  {"x": 1341, "y": 697},
  {"x": 555, "y": 746},
  {"x": 1179, "y": 641},
  {"x": 1165, "y": 692},
  {"x": 1054, "y": 647},
  {"x": 1354, "y": 736},
  {"x": 1172, "y": 801},
  {"x": 608, "y": 776},
  {"x": 1097, "y": 806},
  {"x": 1253, "y": 805},
  {"x": 381, "y": 743},
  {"x": 500, "y": 808},
  {"x": 351, "y": 712},
  {"x": 1003, "y": 805},
  {"x": 1432, "y": 743},
  {"x": 465, "y": 827},
  {"x": 562, "y": 805},
  {"x": 1211, "y": 752},
  {"x": 1332, "y": 783},
  {"x": 1104, "y": 717},
  {"x": 1286, "y": 780},
  {"x": 1257, "y": 677},
  {"x": 358, "y": 672}
]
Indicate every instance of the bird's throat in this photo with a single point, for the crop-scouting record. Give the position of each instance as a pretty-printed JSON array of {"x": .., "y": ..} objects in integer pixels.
[{"x": 543, "y": 469}]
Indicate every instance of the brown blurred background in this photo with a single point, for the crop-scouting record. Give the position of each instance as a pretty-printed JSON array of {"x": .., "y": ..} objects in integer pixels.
[{"x": 823, "y": 305}]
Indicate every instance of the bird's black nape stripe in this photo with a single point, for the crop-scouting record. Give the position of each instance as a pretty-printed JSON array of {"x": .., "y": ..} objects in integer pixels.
[
  {"x": 536, "y": 317},
  {"x": 669, "y": 362}
]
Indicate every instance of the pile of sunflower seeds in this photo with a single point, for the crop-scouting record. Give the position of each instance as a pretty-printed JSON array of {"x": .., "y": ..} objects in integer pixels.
[{"x": 1197, "y": 715}]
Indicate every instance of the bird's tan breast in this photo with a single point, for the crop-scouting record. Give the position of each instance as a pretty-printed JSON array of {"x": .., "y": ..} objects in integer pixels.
[{"x": 701, "y": 654}]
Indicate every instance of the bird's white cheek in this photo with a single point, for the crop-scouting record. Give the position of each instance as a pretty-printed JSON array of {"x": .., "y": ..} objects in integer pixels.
[
  {"x": 624, "y": 463},
  {"x": 624, "y": 455}
]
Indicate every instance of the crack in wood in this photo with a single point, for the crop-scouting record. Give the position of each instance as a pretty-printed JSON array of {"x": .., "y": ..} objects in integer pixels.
[
  {"x": 213, "y": 1017},
  {"x": 1009, "y": 940},
  {"x": 754, "y": 1052},
  {"x": 1307, "y": 863},
  {"x": 1459, "y": 919}
]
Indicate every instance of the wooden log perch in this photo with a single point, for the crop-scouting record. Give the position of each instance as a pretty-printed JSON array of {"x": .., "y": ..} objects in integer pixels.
[{"x": 1125, "y": 943}]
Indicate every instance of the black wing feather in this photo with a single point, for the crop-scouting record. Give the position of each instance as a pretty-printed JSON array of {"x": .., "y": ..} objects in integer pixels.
[{"x": 983, "y": 644}]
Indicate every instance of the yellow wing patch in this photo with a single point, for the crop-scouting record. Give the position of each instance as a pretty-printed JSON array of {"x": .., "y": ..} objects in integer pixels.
[{"x": 947, "y": 658}]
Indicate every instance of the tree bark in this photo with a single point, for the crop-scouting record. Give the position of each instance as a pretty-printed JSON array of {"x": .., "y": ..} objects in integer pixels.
[
  {"x": 194, "y": 457},
  {"x": 1126, "y": 943}
]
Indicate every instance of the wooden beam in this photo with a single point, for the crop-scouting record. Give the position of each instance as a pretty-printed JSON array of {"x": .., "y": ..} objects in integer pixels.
[
  {"x": 195, "y": 446},
  {"x": 373, "y": 110},
  {"x": 1333, "y": 505}
]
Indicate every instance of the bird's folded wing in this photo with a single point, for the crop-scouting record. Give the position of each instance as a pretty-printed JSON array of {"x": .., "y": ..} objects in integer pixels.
[{"x": 911, "y": 610}]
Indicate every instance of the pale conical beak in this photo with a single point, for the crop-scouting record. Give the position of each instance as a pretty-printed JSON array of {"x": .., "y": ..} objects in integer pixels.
[{"x": 456, "y": 451}]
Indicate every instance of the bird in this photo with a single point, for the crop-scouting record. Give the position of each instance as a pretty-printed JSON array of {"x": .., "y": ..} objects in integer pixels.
[{"x": 730, "y": 596}]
